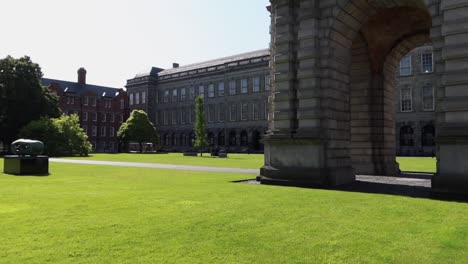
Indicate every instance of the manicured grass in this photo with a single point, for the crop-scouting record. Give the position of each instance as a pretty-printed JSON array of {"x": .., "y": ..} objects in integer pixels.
[
  {"x": 416, "y": 164},
  {"x": 103, "y": 214},
  {"x": 253, "y": 161}
]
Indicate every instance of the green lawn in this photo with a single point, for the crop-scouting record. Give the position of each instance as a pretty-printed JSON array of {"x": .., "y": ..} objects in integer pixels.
[
  {"x": 103, "y": 214},
  {"x": 417, "y": 164},
  {"x": 244, "y": 161},
  {"x": 252, "y": 161}
]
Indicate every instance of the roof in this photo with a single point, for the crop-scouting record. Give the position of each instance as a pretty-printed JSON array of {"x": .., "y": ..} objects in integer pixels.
[
  {"x": 206, "y": 64},
  {"x": 78, "y": 89}
]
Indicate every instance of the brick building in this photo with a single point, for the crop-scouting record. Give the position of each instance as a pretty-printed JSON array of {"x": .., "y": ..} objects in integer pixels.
[{"x": 101, "y": 109}]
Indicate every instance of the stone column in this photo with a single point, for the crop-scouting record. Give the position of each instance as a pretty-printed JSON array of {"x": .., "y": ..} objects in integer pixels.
[
  {"x": 296, "y": 144},
  {"x": 452, "y": 99}
]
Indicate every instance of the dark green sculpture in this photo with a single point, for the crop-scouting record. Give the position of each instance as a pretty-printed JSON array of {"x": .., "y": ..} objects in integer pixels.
[{"x": 27, "y": 147}]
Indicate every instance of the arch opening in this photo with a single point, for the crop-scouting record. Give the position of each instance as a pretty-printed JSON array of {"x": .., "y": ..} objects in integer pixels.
[{"x": 373, "y": 56}]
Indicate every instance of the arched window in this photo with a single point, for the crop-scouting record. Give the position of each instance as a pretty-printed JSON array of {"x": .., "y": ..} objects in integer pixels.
[
  {"x": 221, "y": 138},
  {"x": 211, "y": 139},
  {"x": 232, "y": 138},
  {"x": 244, "y": 139},
  {"x": 174, "y": 139},
  {"x": 191, "y": 139},
  {"x": 182, "y": 140},
  {"x": 406, "y": 136},
  {"x": 256, "y": 144},
  {"x": 428, "y": 135}
]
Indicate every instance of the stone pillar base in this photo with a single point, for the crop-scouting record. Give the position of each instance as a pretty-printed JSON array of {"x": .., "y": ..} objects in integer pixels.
[
  {"x": 300, "y": 162},
  {"x": 453, "y": 185},
  {"x": 452, "y": 168},
  {"x": 21, "y": 165},
  {"x": 321, "y": 178}
]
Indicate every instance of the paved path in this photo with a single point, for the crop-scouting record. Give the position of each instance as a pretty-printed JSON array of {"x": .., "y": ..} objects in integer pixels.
[
  {"x": 158, "y": 166},
  {"x": 414, "y": 185}
]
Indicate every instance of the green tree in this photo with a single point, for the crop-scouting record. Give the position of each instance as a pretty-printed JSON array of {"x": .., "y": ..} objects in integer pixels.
[
  {"x": 61, "y": 136},
  {"x": 22, "y": 98},
  {"x": 138, "y": 128},
  {"x": 201, "y": 140},
  {"x": 74, "y": 137}
]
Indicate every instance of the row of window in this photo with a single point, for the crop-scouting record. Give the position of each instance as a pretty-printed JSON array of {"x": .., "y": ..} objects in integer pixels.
[
  {"x": 91, "y": 100},
  {"x": 103, "y": 131},
  {"x": 215, "y": 113},
  {"x": 427, "y": 136},
  {"x": 217, "y": 90},
  {"x": 104, "y": 146},
  {"x": 427, "y": 64},
  {"x": 104, "y": 117},
  {"x": 134, "y": 98},
  {"x": 406, "y": 98}
]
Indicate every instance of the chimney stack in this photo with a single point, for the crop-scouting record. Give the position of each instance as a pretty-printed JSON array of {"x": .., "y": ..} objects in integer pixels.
[
  {"x": 82, "y": 76},
  {"x": 175, "y": 65}
]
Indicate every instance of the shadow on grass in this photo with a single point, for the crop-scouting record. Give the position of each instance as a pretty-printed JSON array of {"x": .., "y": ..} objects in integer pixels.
[
  {"x": 386, "y": 188},
  {"x": 408, "y": 185},
  {"x": 28, "y": 175}
]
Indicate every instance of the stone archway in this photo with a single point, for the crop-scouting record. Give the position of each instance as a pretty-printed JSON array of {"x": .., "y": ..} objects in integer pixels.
[{"x": 334, "y": 84}]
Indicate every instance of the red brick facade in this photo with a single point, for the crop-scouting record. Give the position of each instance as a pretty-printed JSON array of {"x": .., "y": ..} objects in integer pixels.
[{"x": 101, "y": 110}]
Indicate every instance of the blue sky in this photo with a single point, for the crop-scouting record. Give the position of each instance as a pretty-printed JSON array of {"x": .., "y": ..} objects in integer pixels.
[{"x": 115, "y": 39}]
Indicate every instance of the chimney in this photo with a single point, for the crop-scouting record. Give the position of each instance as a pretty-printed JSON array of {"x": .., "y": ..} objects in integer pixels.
[
  {"x": 175, "y": 65},
  {"x": 82, "y": 76}
]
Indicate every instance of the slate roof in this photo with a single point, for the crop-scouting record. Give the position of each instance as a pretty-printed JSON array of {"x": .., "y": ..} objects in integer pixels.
[
  {"x": 78, "y": 89},
  {"x": 211, "y": 63}
]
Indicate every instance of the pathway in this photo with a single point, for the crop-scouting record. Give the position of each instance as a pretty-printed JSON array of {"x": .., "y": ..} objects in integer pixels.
[
  {"x": 157, "y": 166},
  {"x": 414, "y": 185}
]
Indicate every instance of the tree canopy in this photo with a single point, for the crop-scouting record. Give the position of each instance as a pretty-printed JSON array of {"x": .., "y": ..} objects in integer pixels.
[
  {"x": 61, "y": 136},
  {"x": 138, "y": 128},
  {"x": 22, "y": 97},
  {"x": 201, "y": 140}
]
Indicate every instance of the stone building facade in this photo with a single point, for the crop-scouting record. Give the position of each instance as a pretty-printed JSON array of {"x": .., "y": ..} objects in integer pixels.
[
  {"x": 167, "y": 95},
  {"x": 416, "y": 104},
  {"x": 235, "y": 91},
  {"x": 101, "y": 109}
]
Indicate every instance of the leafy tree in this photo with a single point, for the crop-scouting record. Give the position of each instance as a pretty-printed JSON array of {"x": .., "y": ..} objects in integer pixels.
[
  {"x": 61, "y": 136},
  {"x": 201, "y": 140},
  {"x": 22, "y": 98},
  {"x": 74, "y": 137},
  {"x": 138, "y": 128}
]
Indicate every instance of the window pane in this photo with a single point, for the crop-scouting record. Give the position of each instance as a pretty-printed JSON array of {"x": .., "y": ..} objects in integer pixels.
[
  {"x": 405, "y": 66},
  {"x": 221, "y": 89},
  {"x": 182, "y": 94},
  {"x": 428, "y": 97},
  {"x": 222, "y": 112},
  {"x": 244, "y": 111},
  {"x": 406, "y": 99},
  {"x": 256, "y": 85},
  {"x": 201, "y": 91},
  {"x": 426, "y": 60},
  {"x": 244, "y": 86},
  {"x": 174, "y": 95},
  {"x": 211, "y": 92},
  {"x": 232, "y": 87}
]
